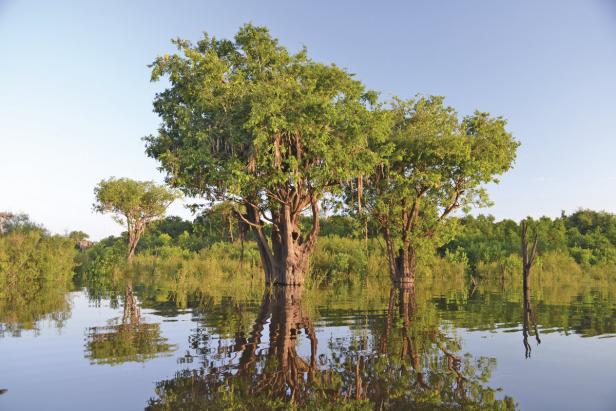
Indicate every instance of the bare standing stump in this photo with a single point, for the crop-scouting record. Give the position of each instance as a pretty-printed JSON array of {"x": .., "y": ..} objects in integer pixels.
[{"x": 528, "y": 259}]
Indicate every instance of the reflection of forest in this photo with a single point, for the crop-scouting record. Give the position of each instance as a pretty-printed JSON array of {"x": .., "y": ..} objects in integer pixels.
[
  {"x": 129, "y": 340},
  {"x": 405, "y": 363}
]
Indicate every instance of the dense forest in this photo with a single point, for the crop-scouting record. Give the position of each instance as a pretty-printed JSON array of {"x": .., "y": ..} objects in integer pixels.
[
  {"x": 586, "y": 237},
  {"x": 28, "y": 253}
]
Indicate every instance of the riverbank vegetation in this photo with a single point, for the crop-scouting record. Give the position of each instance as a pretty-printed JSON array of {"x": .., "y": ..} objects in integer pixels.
[
  {"x": 36, "y": 268},
  {"x": 577, "y": 250}
]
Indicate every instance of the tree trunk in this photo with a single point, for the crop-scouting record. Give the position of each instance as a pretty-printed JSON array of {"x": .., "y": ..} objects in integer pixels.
[
  {"x": 404, "y": 265},
  {"x": 135, "y": 229},
  {"x": 132, "y": 246},
  {"x": 287, "y": 378},
  {"x": 286, "y": 257}
]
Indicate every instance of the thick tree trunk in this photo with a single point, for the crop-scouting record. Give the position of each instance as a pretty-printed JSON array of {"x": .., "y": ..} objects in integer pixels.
[
  {"x": 292, "y": 264},
  {"x": 286, "y": 257},
  {"x": 402, "y": 263},
  {"x": 402, "y": 267}
]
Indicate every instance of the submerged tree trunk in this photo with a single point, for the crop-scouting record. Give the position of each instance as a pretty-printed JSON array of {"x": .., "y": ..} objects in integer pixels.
[
  {"x": 402, "y": 263},
  {"x": 286, "y": 255},
  {"x": 401, "y": 254},
  {"x": 405, "y": 264}
]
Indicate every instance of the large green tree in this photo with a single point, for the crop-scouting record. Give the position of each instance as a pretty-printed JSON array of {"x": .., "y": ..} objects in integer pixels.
[
  {"x": 134, "y": 204},
  {"x": 433, "y": 163},
  {"x": 247, "y": 121}
]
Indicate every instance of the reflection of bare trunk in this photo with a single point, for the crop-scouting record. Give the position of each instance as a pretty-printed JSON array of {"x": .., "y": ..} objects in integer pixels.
[
  {"x": 407, "y": 307},
  {"x": 454, "y": 364},
  {"x": 359, "y": 385},
  {"x": 528, "y": 322}
]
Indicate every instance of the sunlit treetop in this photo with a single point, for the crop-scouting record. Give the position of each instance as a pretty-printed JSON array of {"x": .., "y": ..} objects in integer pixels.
[{"x": 246, "y": 118}]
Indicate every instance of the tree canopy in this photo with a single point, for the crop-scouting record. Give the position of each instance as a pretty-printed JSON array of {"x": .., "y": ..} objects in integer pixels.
[
  {"x": 433, "y": 163},
  {"x": 133, "y": 203},
  {"x": 246, "y": 120}
]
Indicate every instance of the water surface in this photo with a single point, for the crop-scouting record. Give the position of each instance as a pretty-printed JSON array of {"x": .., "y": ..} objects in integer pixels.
[{"x": 440, "y": 346}]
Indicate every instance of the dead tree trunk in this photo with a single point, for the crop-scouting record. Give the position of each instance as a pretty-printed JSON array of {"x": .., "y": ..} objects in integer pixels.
[
  {"x": 528, "y": 255},
  {"x": 528, "y": 259}
]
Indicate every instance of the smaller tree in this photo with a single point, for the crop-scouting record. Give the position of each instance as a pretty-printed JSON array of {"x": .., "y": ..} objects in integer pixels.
[
  {"x": 434, "y": 163},
  {"x": 134, "y": 204}
]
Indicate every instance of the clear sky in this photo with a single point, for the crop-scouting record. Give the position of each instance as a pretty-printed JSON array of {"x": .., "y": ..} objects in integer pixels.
[{"x": 75, "y": 96}]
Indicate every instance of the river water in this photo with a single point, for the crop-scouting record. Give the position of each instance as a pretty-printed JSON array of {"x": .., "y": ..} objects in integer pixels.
[{"x": 142, "y": 346}]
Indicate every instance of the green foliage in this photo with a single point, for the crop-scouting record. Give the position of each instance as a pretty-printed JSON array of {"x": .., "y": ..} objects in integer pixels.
[
  {"x": 78, "y": 236},
  {"x": 172, "y": 231},
  {"x": 587, "y": 236},
  {"x": 245, "y": 117},
  {"x": 432, "y": 164},
  {"x": 10, "y": 222},
  {"x": 134, "y": 204},
  {"x": 342, "y": 226},
  {"x": 338, "y": 261},
  {"x": 248, "y": 122},
  {"x": 132, "y": 200},
  {"x": 35, "y": 273}
]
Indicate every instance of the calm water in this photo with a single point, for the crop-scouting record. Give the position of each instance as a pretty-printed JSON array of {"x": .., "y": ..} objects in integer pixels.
[{"x": 142, "y": 346}]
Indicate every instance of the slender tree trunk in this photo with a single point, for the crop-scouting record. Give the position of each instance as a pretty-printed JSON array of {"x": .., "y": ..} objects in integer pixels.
[
  {"x": 132, "y": 246},
  {"x": 135, "y": 230},
  {"x": 528, "y": 259}
]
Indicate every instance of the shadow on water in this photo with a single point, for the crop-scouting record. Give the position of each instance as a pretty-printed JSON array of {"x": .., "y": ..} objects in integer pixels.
[{"x": 284, "y": 362}]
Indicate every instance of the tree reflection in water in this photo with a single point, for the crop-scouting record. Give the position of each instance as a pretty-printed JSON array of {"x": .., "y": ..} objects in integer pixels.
[
  {"x": 529, "y": 323},
  {"x": 129, "y": 340},
  {"x": 407, "y": 362}
]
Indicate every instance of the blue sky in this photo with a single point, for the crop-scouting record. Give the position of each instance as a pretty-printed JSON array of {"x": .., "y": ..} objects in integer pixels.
[{"x": 75, "y": 96}]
